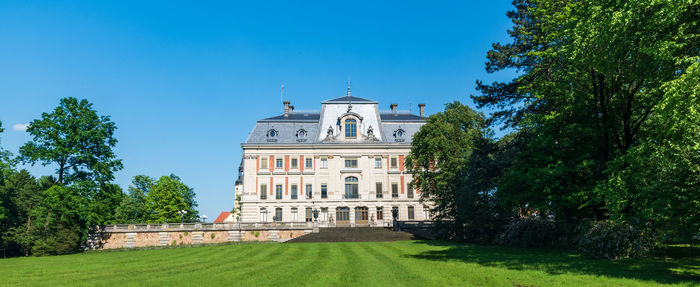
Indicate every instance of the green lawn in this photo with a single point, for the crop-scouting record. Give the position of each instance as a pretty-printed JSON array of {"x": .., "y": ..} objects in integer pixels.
[{"x": 401, "y": 263}]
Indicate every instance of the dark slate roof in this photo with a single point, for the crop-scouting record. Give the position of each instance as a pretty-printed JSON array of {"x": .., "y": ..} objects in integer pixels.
[
  {"x": 295, "y": 117},
  {"x": 400, "y": 117},
  {"x": 349, "y": 99}
]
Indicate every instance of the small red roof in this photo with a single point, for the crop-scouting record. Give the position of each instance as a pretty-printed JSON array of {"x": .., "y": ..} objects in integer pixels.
[{"x": 222, "y": 217}]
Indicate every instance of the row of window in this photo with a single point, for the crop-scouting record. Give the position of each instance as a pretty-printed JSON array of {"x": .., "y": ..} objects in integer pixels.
[
  {"x": 342, "y": 214},
  {"x": 351, "y": 190},
  {"x": 308, "y": 163}
]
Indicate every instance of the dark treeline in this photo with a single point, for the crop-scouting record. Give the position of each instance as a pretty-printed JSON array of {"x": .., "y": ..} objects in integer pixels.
[
  {"x": 54, "y": 214},
  {"x": 604, "y": 154}
]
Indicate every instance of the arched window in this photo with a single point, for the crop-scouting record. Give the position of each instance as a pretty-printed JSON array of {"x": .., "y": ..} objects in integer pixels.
[
  {"x": 351, "y": 187},
  {"x": 350, "y": 128}
]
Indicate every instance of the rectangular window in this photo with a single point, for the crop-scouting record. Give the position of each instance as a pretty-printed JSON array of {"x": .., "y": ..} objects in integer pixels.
[
  {"x": 309, "y": 215},
  {"x": 309, "y": 191},
  {"x": 278, "y": 191},
  {"x": 324, "y": 162},
  {"x": 426, "y": 213},
  {"x": 394, "y": 163},
  {"x": 278, "y": 214},
  {"x": 263, "y": 191},
  {"x": 351, "y": 163},
  {"x": 279, "y": 163},
  {"x": 394, "y": 190},
  {"x": 263, "y": 214},
  {"x": 395, "y": 212},
  {"x": 377, "y": 162},
  {"x": 294, "y": 191},
  {"x": 294, "y": 214},
  {"x": 409, "y": 191},
  {"x": 411, "y": 214},
  {"x": 309, "y": 163},
  {"x": 380, "y": 192},
  {"x": 380, "y": 213},
  {"x": 263, "y": 163},
  {"x": 324, "y": 214},
  {"x": 295, "y": 164},
  {"x": 324, "y": 191}
]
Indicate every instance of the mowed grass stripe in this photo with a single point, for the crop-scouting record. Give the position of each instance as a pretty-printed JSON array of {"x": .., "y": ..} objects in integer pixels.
[
  {"x": 259, "y": 266},
  {"x": 291, "y": 271},
  {"x": 411, "y": 272},
  {"x": 382, "y": 267},
  {"x": 401, "y": 263}
]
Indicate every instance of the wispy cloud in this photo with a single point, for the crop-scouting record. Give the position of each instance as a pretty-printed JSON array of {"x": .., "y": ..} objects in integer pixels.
[{"x": 20, "y": 127}]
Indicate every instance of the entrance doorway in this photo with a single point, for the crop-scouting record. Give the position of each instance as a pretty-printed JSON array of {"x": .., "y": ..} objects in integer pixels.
[
  {"x": 361, "y": 215},
  {"x": 342, "y": 216}
]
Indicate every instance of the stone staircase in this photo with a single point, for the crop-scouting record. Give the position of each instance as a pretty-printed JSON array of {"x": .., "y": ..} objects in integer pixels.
[{"x": 354, "y": 234}]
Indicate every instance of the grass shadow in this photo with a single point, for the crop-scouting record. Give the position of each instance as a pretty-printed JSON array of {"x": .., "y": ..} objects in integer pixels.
[{"x": 554, "y": 262}]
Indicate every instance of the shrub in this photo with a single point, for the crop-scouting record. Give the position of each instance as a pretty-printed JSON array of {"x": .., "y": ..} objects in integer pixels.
[
  {"x": 529, "y": 232},
  {"x": 615, "y": 240},
  {"x": 213, "y": 235}
]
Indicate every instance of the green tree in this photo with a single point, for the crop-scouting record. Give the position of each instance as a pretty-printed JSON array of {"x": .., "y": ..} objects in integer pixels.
[
  {"x": 77, "y": 140},
  {"x": 440, "y": 162},
  {"x": 7, "y": 162},
  {"x": 167, "y": 197},
  {"x": 24, "y": 193},
  {"x": 592, "y": 77},
  {"x": 133, "y": 207},
  {"x": 59, "y": 222}
]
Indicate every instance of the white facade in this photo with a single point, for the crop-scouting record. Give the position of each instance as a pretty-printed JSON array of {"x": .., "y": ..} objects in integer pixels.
[{"x": 346, "y": 162}]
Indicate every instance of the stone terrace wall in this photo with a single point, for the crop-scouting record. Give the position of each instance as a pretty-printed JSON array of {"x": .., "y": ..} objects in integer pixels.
[{"x": 145, "y": 235}]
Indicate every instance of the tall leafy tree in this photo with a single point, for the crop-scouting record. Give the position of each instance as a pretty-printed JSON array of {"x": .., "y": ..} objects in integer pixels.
[
  {"x": 75, "y": 138},
  {"x": 439, "y": 159},
  {"x": 23, "y": 193},
  {"x": 133, "y": 207},
  {"x": 167, "y": 197},
  {"x": 7, "y": 162},
  {"x": 59, "y": 224},
  {"x": 592, "y": 77}
]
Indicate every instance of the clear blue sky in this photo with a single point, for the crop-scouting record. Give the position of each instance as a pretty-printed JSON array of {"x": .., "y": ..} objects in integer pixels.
[{"x": 185, "y": 81}]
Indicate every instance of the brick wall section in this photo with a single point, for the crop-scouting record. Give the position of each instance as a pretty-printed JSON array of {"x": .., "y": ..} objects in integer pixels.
[
  {"x": 402, "y": 185},
  {"x": 302, "y": 164},
  {"x": 401, "y": 163}
]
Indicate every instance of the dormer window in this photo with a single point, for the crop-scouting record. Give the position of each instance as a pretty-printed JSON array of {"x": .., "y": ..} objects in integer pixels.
[
  {"x": 350, "y": 128},
  {"x": 399, "y": 133},
  {"x": 301, "y": 133},
  {"x": 272, "y": 133}
]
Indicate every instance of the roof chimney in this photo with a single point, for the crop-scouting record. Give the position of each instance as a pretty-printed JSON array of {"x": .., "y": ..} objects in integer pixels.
[
  {"x": 422, "y": 109},
  {"x": 286, "y": 108},
  {"x": 393, "y": 108}
]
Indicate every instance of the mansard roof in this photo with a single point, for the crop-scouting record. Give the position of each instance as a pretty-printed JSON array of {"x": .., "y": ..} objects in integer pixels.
[
  {"x": 312, "y": 127},
  {"x": 295, "y": 117},
  {"x": 349, "y": 99},
  {"x": 400, "y": 117}
]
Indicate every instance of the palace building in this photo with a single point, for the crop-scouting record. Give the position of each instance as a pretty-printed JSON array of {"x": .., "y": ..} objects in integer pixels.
[{"x": 345, "y": 161}]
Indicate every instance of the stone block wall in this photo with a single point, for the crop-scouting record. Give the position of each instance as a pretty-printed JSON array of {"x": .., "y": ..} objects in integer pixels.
[{"x": 140, "y": 238}]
